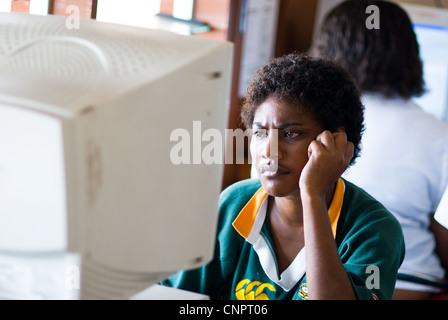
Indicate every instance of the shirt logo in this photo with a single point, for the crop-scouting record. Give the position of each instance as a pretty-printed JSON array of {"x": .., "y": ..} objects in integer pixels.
[
  {"x": 303, "y": 292},
  {"x": 252, "y": 290}
]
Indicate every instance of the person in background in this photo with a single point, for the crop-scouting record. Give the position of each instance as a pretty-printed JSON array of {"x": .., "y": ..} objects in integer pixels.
[
  {"x": 300, "y": 231},
  {"x": 404, "y": 162}
]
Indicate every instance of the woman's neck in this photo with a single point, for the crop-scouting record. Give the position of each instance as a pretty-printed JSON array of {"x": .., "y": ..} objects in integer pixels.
[{"x": 289, "y": 208}]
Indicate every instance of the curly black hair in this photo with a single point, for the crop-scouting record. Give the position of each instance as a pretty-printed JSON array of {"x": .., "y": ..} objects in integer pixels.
[
  {"x": 384, "y": 60},
  {"x": 319, "y": 86}
]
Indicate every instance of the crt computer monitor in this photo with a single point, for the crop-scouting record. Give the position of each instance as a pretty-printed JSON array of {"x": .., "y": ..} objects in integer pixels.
[{"x": 91, "y": 204}]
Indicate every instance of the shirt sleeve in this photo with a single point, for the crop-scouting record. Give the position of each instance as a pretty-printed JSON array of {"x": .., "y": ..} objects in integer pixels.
[
  {"x": 442, "y": 210},
  {"x": 372, "y": 252}
]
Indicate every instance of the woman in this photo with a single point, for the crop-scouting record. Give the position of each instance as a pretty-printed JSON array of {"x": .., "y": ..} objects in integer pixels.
[
  {"x": 306, "y": 118},
  {"x": 404, "y": 163}
]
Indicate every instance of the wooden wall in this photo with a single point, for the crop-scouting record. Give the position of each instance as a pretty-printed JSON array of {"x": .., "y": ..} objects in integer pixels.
[
  {"x": 87, "y": 7},
  {"x": 20, "y": 5},
  {"x": 295, "y": 31}
]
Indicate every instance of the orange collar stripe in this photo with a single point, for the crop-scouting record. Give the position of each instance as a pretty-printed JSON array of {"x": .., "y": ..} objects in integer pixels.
[
  {"x": 336, "y": 205},
  {"x": 246, "y": 218}
]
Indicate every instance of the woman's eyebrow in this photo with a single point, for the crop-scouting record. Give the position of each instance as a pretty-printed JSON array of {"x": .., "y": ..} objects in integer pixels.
[
  {"x": 289, "y": 124},
  {"x": 281, "y": 126},
  {"x": 257, "y": 124}
]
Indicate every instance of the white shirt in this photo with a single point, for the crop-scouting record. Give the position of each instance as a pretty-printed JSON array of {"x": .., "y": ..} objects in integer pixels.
[
  {"x": 442, "y": 211},
  {"x": 404, "y": 165}
]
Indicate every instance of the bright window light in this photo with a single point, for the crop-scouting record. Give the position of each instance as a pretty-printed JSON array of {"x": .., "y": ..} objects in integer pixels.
[
  {"x": 5, "y": 5},
  {"x": 129, "y": 12},
  {"x": 39, "y": 7},
  {"x": 183, "y": 9},
  {"x": 36, "y": 6}
]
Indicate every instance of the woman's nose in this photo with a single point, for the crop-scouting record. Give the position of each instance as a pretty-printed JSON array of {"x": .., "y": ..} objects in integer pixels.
[{"x": 271, "y": 145}]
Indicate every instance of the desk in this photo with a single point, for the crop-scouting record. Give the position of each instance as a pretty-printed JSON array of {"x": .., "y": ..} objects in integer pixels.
[{"x": 158, "y": 292}]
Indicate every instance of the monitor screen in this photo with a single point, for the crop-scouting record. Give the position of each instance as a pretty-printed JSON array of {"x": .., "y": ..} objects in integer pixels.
[
  {"x": 432, "y": 37},
  {"x": 93, "y": 202}
]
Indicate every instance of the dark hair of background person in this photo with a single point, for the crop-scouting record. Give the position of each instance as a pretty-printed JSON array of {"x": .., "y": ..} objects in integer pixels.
[
  {"x": 319, "y": 86},
  {"x": 384, "y": 60}
]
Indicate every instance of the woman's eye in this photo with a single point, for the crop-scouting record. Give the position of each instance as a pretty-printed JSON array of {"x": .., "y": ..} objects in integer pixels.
[
  {"x": 259, "y": 133},
  {"x": 291, "y": 134}
]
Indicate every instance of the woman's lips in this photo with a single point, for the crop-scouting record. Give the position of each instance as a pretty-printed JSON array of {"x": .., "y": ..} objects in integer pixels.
[{"x": 269, "y": 170}]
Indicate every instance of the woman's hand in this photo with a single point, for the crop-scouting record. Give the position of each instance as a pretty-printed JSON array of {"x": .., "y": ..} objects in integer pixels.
[{"x": 328, "y": 157}]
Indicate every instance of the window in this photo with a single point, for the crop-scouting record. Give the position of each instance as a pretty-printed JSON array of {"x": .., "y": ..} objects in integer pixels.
[
  {"x": 5, "y": 5},
  {"x": 39, "y": 7},
  {"x": 130, "y": 12},
  {"x": 183, "y": 9},
  {"x": 31, "y": 6},
  {"x": 144, "y": 13}
]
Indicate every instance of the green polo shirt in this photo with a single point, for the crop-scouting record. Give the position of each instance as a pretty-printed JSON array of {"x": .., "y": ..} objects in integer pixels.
[{"x": 244, "y": 266}]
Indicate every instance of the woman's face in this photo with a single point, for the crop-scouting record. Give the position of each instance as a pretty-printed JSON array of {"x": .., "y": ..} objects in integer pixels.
[{"x": 282, "y": 133}]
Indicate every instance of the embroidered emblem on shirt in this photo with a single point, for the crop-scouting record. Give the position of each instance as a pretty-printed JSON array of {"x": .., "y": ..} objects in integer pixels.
[
  {"x": 303, "y": 291},
  {"x": 252, "y": 290}
]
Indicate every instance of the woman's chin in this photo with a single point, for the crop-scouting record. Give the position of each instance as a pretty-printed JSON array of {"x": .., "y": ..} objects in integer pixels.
[{"x": 278, "y": 188}]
